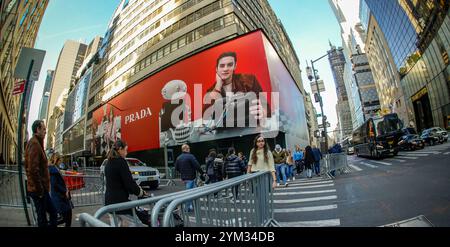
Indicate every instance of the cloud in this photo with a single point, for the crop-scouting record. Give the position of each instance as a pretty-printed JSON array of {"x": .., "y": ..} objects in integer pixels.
[{"x": 54, "y": 35}]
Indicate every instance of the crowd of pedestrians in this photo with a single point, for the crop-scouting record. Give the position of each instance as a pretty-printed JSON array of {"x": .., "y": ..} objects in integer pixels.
[{"x": 46, "y": 186}]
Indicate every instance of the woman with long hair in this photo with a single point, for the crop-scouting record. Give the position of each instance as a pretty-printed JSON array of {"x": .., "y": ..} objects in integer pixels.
[
  {"x": 309, "y": 161},
  {"x": 119, "y": 181},
  {"x": 59, "y": 192},
  {"x": 261, "y": 158},
  {"x": 290, "y": 166}
]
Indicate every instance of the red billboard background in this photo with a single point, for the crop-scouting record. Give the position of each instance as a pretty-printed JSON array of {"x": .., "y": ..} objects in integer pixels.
[{"x": 143, "y": 102}]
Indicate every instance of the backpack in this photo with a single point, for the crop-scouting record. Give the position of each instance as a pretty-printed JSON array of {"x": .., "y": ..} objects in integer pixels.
[{"x": 210, "y": 167}]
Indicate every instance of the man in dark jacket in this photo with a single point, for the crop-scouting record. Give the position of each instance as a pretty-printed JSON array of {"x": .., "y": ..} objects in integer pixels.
[
  {"x": 38, "y": 177},
  {"x": 317, "y": 157},
  {"x": 279, "y": 157},
  {"x": 187, "y": 165},
  {"x": 234, "y": 166}
]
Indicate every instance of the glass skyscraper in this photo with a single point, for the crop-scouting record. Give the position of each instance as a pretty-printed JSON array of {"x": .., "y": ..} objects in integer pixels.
[{"x": 417, "y": 35}]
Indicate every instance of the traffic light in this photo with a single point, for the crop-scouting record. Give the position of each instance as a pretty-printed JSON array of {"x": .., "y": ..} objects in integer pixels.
[
  {"x": 316, "y": 97},
  {"x": 317, "y": 133}
]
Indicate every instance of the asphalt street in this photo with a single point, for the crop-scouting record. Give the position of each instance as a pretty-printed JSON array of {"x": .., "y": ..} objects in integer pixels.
[{"x": 374, "y": 193}]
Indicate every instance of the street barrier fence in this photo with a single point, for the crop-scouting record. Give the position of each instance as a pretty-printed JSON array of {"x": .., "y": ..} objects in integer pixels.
[
  {"x": 86, "y": 190},
  {"x": 332, "y": 163},
  {"x": 244, "y": 201}
]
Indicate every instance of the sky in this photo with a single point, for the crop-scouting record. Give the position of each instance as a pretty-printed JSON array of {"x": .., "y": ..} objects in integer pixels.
[
  {"x": 79, "y": 20},
  {"x": 310, "y": 25}
]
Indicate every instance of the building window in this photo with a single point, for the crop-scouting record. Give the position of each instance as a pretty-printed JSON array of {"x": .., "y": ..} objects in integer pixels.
[{"x": 24, "y": 16}]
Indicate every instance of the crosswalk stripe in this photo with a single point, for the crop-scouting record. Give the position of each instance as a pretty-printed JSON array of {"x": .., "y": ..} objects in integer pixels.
[
  {"x": 310, "y": 183},
  {"x": 315, "y": 223},
  {"x": 311, "y": 199},
  {"x": 381, "y": 162},
  {"x": 355, "y": 167},
  {"x": 369, "y": 165},
  {"x": 447, "y": 153},
  {"x": 305, "y": 187},
  {"x": 305, "y": 209},
  {"x": 414, "y": 155},
  {"x": 424, "y": 152},
  {"x": 397, "y": 159},
  {"x": 407, "y": 157},
  {"x": 303, "y": 192},
  {"x": 311, "y": 179}
]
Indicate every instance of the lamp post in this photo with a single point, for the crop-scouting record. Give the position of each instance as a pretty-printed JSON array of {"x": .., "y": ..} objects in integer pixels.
[{"x": 313, "y": 76}]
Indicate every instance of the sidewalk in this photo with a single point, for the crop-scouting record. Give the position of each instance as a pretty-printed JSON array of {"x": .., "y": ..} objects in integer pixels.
[{"x": 15, "y": 217}]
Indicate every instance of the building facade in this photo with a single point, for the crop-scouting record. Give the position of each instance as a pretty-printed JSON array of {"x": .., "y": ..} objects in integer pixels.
[
  {"x": 415, "y": 36},
  {"x": 56, "y": 121},
  {"x": 145, "y": 37},
  {"x": 19, "y": 23},
  {"x": 337, "y": 62},
  {"x": 43, "y": 106},
  {"x": 358, "y": 78},
  {"x": 70, "y": 60},
  {"x": 311, "y": 117}
]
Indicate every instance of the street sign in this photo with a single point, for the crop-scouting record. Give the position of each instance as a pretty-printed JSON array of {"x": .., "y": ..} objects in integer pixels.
[
  {"x": 23, "y": 65},
  {"x": 19, "y": 87},
  {"x": 314, "y": 86},
  {"x": 321, "y": 125}
]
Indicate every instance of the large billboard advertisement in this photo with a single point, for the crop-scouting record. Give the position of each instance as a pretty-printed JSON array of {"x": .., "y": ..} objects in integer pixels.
[
  {"x": 76, "y": 101},
  {"x": 229, "y": 90}
]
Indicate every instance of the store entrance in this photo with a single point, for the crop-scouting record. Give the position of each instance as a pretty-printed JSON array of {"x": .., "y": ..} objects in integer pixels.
[{"x": 422, "y": 110}]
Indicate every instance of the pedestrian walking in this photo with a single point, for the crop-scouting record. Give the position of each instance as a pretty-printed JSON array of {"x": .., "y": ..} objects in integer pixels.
[
  {"x": 244, "y": 159},
  {"x": 309, "y": 161},
  {"x": 60, "y": 195},
  {"x": 188, "y": 166},
  {"x": 233, "y": 167},
  {"x": 279, "y": 157},
  {"x": 317, "y": 157},
  {"x": 210, "y": 167},
  {"x": 297, "y": 155},
  {"x": 219, "y": 171},
  {"x": 38, "y": 177},
  {"x": 261, "y": 159},
  {"x": 290, "y": 166},
  {"x": 119, "y": 181}
]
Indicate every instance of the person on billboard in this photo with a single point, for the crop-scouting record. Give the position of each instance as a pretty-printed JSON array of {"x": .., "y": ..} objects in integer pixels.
[{"x": 229, "y": 86}]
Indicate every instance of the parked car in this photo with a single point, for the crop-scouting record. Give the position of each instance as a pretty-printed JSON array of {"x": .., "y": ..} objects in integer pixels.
[
  {"x": 409, "y": 131},
  {"x": 442, "y": 134},
  {"x": 350, "y": 150},
  {"x": 411, "y": 142},
  {"x": 143, "y": 175},
  {"x": 430, "y": 137}
]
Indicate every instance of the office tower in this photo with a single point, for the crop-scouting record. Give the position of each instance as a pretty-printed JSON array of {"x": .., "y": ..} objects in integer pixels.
[
  {"x": 409, "y": 44},
  {"x": 359, "y": 83},
  {"x": 43, "y": 106},
  {"x": 19, "y": 23},
  {"x": 337, "y": 62}
]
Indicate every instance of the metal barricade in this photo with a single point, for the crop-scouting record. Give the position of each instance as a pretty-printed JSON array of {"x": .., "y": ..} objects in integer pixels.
[
  {"x": 9, "y": 188},
  {"x": 89, "y": 220},
  {"x": 332, "y": 163},
  {"x": 86, "y": 190},
  {"x": 242, "y": 201}
]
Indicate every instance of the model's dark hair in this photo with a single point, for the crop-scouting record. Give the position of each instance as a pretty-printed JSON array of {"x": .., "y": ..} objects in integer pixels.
[
  {"x": 36, "y": 125},
  {"x": 227, "y": 54},
  {"x": 114, "y": 152},
  {"x": 255, "y": 149}
]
